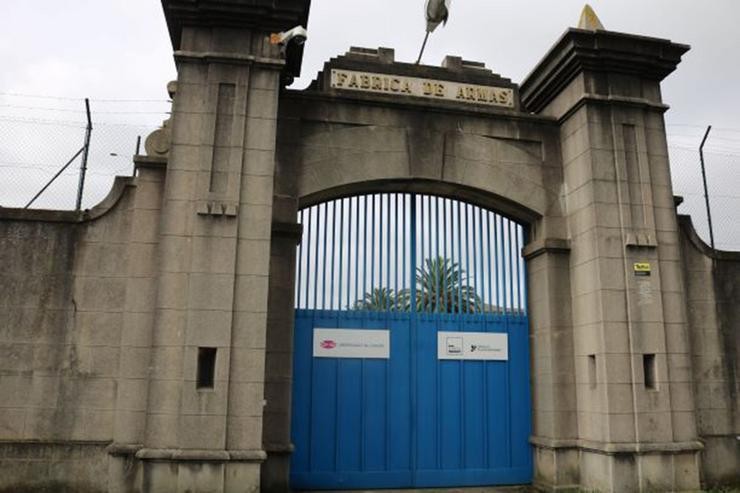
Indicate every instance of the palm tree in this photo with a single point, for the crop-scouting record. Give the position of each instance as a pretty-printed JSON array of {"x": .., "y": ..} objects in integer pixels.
[
  {"x": 440, "y": 287},
  {"x": 380, "y": 300}
]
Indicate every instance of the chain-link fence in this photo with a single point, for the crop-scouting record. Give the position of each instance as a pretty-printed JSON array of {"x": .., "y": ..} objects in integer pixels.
[
  {"x": 40, "y": 134},
  {"x": 723, "y": 185},
  {"x": 32, "y": 151}
]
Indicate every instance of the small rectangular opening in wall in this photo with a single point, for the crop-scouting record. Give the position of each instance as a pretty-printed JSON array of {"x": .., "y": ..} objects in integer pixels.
[
  {"x": 592, "y": 371},
  {"x": 206, "y": 367},
  {"x": 648, "y": 366}
]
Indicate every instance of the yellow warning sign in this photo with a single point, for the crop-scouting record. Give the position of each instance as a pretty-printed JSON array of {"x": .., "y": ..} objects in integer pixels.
[{"x": 642, "y": 269}]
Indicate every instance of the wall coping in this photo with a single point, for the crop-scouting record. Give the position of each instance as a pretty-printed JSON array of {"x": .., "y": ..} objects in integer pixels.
[
  {"x": 687, "y": 226},
  {"x": 120, "y": 184}
]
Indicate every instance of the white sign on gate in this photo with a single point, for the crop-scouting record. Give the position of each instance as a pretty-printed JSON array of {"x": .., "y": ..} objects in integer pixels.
[
  {"x": 472, "y": 346},
  {"x": 351, "y": 343}
]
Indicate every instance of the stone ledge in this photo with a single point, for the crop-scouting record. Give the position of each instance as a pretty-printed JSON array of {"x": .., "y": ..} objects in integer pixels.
[
  {"x": 184, "y": 455},
  {"x": 123, "y": 449},
  {"x": 150, "y": 162},
  {"x": 547, "y": 245},
  {"x": 229, "y": 58},
  {"x": 618, "y": 447},
  {"x": 639, "y": 103},
  {"x": 279, "y": 448}
]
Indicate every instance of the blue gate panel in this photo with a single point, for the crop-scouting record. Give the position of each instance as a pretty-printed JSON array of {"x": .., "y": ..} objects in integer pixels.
[
  {"x": 411, "y": 420},
  {"x": 520, "y": 393},
  {"x": 349, "y": 422}
]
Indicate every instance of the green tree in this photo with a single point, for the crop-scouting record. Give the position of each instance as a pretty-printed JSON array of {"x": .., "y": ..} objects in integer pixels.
[
  {"x": 379, "y": 300},
  {"x": 440, "y": 287}
]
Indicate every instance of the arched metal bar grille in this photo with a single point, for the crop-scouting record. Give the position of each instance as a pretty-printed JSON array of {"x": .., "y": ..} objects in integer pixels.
[{"x": 401, "y": 252}]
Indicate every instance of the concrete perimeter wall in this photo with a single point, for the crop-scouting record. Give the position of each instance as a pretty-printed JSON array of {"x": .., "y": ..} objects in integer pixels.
[
  {"x": 65, "y": 354},
  {"x": 713, "y": 294}
]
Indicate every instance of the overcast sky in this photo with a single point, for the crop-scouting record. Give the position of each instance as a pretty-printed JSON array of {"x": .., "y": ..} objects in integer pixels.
[
  {"x": 120, "y": 49},
  {"x": 115, "y": 49}
]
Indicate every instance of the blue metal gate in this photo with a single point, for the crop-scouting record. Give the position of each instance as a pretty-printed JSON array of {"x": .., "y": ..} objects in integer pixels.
[{"x": 414, "y": 266}]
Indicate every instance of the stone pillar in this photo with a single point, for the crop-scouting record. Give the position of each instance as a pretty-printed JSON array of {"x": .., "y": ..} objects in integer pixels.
[
  {"x": 554, "y": 405},
  {"x": 636, "y": 424},
  {"x": 136, "y": 334},
  {"x": 215, "y": 240}
]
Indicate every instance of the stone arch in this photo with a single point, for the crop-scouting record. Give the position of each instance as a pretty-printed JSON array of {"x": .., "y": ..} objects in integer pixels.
[{"x": 502, "y": 174}]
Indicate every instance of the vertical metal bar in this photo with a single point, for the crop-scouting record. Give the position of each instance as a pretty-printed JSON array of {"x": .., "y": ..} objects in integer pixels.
[
  {"x": 85, "y": 154},
  {"x": 332, "y": 257},
  {"x": 446, "y": 236},
  {"x": 471, "y": 224},
  {"x": 341, "y": 252},
  {"x": 455, "y": 266},
  {"x": 365, "y": 256},
  {"x": 138, "y": 144},
  {"x": 467, "y": 257},
  {"x": 481, "y": 278},
  {"x": 381, "y": 217},
  {"x": 396, "y": 262},
  {"x": 437, "y": 257},
  {"x": 412, "y": 252},
  {"x": 520, "y": 281},
  {"x": 490, "y": 254},
  {"x": 511, "y": 267},
  {"x": 324, "y": 255},
  {"x": 408, "y": 233},
  {"x": 429, "y": 258},
  {"x": 388, "y": 249},
  {"x": 704, "y": 179},
  {"x": 316, "y": 261},
  {"x": 502, "y": 263},
  {"x": 526, "y": 277},
  {"x": 372, "y": 247},
  {"x": 459, "y": 259},
  {"x": 473, "y": 255},
  {"x": 422, "y": 238},
  {"x": 505, "y": 261},
  {"x": 404, "y": 228},
  {"x": 349, "y": 253},
  {"x": 299, "y": 267},
  {"x": 357, "y": 247}
]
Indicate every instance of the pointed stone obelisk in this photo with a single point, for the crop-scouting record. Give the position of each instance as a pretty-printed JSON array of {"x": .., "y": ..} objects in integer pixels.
[{"x": 589, "y": 20}]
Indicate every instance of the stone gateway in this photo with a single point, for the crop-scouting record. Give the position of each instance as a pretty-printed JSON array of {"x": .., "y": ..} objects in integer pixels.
[{"x": 164, "y": 339}]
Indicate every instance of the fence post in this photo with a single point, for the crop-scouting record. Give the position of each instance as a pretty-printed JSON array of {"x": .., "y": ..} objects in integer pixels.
[
  {"x": 706, "y": 191},
  {"x": 85, "y": 153}
]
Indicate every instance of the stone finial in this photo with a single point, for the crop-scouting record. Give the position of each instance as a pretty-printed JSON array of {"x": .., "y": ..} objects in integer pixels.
[
  {"x": 158, "y": 142},
  {"x": 589, "y": 20},
  {"x": 172, "y": 88}
]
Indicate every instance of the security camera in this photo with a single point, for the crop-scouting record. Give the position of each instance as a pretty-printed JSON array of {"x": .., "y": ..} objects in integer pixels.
[{"x": 297, "y": 35}]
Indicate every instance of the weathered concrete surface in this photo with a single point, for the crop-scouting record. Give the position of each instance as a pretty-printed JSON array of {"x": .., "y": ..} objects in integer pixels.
[
  {"x": 61, "y": 318},
  {"x": 713, "y": 290}
]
